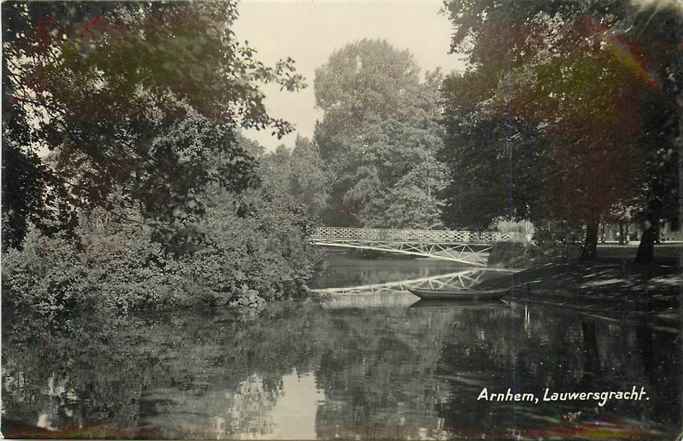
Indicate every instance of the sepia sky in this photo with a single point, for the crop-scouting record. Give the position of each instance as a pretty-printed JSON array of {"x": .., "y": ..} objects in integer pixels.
[{"x": 310, "y": 30}]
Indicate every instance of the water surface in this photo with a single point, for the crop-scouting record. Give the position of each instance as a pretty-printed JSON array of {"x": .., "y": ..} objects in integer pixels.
[{"x": 375, "y": 368}]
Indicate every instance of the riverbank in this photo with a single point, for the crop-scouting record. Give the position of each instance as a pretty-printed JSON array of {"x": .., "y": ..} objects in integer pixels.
[{"x": 612, "y": 287}]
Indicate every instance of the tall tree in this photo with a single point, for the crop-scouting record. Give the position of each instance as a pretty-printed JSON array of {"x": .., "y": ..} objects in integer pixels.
[
  {"x": 296, "y": 174},
  {"x": 596, "y": 80},
  {"x": 368, "y": 80},
  {"x": 140, "y": 102},
  {"x": 494, "y": 160},
  {"x": 308, "y": 182},
  {"x": 379, "y": 124},
  {"x": 276, "y": 169}
]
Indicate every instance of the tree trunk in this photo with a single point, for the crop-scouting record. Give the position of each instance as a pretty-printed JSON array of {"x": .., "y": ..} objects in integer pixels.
[
  {"x": 646, "y": 249},
  {"x": 590, "y": 243},
  {"x": 622, "y": 234},
  {"x": 679, "y": 141}
]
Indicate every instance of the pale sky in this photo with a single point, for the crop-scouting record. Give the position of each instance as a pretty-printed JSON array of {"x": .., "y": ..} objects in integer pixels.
[{"x": 310, "y": 30}]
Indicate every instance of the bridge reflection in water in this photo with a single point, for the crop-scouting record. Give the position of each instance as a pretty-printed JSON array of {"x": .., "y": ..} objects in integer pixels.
[
  {"x": 297, "y": 371},
  {"x": 466, "y": 247},
  {"x": 396, "y": 292}
]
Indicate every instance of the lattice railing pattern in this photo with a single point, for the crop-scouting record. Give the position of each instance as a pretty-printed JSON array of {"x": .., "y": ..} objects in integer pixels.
[{"x": 349, "y": 234}]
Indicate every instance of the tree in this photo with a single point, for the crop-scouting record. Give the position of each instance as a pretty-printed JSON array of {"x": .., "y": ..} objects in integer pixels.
[
  {"x": 494, "y": 160},
  {"x": 308, "y": 182},
  {"x": 586, "y": 76},
  {"x": 275, "y": 169},
  {"x": 140, "y": 102},
  {"x": 379, "y": 124},
  {"x": 414, "y": 200},
  {"x": 296, "y": 174},
  {"x": 368, "y": 80},
  {"x": 588, "y": 106},
  {"x": 30, "y": 194}
]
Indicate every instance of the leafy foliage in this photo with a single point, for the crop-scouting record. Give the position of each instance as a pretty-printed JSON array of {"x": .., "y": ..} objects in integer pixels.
[
  {"x": 140, "y": 106},
  {"x": 118, "y": 266},
  {"x": 495, "y": 162},
  {"x": 256, "y": 241},
  {"x": 368, "y": 79},
  {"x": 378, "y": 129},
  {"x": 137, "y": 100},
  {"x": 579, "y": 81},
  {"x": 296, "y": 175},
  {"x": 308, "y": 183},
  {"x": 115, "y": 268}
]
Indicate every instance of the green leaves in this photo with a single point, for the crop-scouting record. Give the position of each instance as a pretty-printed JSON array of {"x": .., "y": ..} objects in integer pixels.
[
  {"x": 140, "y": 102},
  {"x": 568, "y": 95},
  {"x": 122, "y": 264},
  {"x": 379, "y": 125}
]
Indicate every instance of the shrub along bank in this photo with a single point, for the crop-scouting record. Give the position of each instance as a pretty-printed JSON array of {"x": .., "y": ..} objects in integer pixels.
[{"x": 246, "y": 250}]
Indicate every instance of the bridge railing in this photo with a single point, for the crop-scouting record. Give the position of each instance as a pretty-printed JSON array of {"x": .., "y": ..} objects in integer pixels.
[{"x": 350, "y": 234}]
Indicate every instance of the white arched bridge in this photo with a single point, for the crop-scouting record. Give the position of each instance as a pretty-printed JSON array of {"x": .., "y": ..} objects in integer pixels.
[{"x": 466, "y": 247}]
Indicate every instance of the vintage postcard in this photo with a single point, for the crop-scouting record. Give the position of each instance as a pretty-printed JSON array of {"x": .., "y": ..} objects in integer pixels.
[{"x": 342, "y": 219}]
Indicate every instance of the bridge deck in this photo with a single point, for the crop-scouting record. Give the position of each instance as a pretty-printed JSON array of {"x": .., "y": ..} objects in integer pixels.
[
  {"x": 349, "y": 234},
  {"x": 425, "y": 242},
  {"x": 465, "y": 247}
]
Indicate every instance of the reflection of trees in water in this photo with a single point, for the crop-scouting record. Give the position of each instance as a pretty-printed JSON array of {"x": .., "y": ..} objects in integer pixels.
[
  {"x": 379, "y": 377},
  {"x": 72, "y": 375},
  {"x": 539, "y": 349},
  {"x": 220, "y": 410},
  {"x": 403, "y": 372},
  {"x": 660, "y": 355},
  {"x": 347, "y": 271},
  {"x": 163, "y": 376},
  {"x": 385, "y": 372}
]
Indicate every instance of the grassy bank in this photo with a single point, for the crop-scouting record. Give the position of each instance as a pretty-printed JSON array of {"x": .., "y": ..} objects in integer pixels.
[{"x": 612, "y": 285}]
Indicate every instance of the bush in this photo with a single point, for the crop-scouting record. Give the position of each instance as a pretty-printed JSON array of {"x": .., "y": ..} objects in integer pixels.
[
  {"x": 114, "y": 267},
  {"x": 260, "y": 240},
  {"x": 251, "y": 244},
  {"x": 523, "y": 230},
  {"x": 510, "y": 255},
  {"x": 556, "y": 240},
  {"x": 46, "y": 274}
]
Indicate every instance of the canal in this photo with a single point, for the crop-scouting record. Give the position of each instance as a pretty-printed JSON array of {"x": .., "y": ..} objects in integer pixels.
[{"x": 378, "y": 365}]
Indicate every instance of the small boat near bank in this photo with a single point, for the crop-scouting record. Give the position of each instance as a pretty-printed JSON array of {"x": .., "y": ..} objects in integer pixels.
[{"x": 459, "y": 294}]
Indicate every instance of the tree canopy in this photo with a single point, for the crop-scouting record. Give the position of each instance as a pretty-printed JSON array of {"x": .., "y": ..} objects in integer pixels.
[
  {"x": 378, "y": 137},
  {"x": 140, "y": 103},
  {"x": 589, "y": 87}
]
